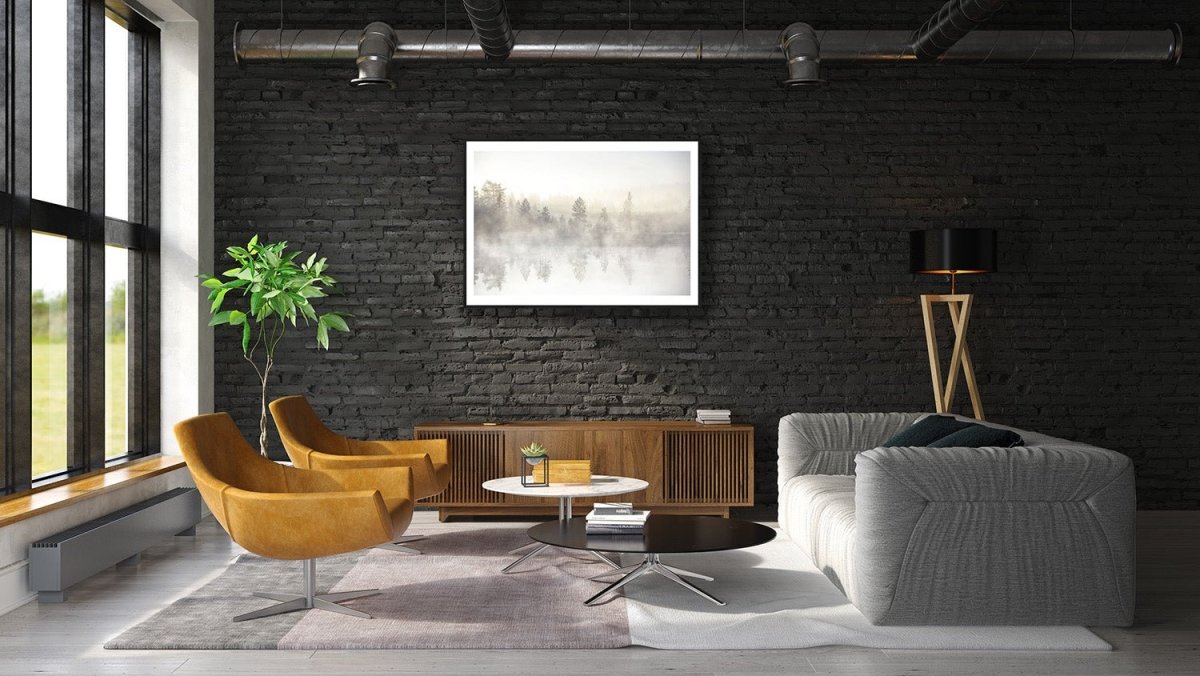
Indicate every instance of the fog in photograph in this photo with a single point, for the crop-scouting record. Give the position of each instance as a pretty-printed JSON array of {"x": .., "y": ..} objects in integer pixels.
[{"x": 586, "y": 223}]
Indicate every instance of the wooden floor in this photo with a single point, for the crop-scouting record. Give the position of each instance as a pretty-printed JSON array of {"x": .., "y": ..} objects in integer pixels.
[{"x": 67, "y": 638}]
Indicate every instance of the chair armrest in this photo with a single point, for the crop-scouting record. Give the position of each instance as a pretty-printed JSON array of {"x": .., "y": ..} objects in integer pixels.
[
  {"x": 393, "y": 482},
  {"x": 306, "y": 525},
  {"x": 940, "y": 530},
  {"x": 328, "y": 461},
  {"x": 826, "y": 443},
  {"x": 438, "y": 450}
]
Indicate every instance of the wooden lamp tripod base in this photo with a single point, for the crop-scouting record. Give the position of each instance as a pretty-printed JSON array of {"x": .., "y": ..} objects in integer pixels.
[{"x": 960, "y": 357}]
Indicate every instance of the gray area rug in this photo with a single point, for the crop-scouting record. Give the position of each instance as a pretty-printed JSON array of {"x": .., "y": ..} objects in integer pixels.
[{"x": 454, "y": 596}]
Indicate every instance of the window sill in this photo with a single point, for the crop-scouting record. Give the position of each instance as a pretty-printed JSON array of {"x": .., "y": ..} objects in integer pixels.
[{"x": 63, "y": 493}]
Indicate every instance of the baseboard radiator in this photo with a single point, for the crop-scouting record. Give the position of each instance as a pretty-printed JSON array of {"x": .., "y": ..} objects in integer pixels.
[{"x": 61, "y": 560}]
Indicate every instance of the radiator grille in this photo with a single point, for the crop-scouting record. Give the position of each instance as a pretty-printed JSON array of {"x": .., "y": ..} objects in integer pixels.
[
  {"x": 475, "y": 457},
  {"x": 707, "y": 467}
]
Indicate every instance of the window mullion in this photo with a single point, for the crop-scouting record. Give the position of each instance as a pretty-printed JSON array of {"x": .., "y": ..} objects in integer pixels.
[
  {"x": 85, "y": 363},
  {"x": 146, "y": 311},
  {"x": 143, "y": 327},
  {"x": 16, "y": 251}
]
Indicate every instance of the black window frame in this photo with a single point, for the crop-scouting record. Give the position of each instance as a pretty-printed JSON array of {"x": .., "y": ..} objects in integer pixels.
[{"x": 88, "y": 230}]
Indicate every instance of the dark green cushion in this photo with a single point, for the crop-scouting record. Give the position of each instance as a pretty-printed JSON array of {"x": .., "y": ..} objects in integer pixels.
[
  {"x": 927, "y": 429},
  {"x": 977, "y": 436}
]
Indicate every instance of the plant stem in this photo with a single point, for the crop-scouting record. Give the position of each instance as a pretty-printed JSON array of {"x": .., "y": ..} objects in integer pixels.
[{"x": 262, "y": 418}]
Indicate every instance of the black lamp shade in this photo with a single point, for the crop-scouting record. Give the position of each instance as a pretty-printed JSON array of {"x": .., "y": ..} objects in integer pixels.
[{"x": 961, "y": 251}]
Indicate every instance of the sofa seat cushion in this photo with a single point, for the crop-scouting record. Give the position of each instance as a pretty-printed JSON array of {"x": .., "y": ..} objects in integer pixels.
[{"x": 817, "y": 513}]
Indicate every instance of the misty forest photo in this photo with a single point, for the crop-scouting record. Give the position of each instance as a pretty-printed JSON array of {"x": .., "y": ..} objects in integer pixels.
[{"x": 581, "y": 224}]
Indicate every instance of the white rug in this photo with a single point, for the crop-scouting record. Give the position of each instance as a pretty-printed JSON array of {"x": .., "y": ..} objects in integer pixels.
[{"x": 777, "y": 599}]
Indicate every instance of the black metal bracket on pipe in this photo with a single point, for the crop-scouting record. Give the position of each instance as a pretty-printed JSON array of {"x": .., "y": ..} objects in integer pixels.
[{"x": 950, "y": 24}]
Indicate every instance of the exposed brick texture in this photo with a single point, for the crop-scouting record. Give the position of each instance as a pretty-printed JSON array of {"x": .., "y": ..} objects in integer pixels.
[{"x": 1091, "y": 174}]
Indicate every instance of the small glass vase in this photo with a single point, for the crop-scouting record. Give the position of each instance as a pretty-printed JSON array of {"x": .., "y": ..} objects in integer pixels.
[{"x": 533, "y": 461}]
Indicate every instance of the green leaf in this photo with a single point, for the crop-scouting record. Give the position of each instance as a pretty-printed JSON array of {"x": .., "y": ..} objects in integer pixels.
[
  {"x": 245, "y": 337},
  {"x": 210, "y": 282},
  {"x": 216, "y": 304},
  {"x": 253, "y": 242},
  {"x": 256, "y": 302},
  {"x": 335, "y": 321},
  {"x": 308, "y": 311},
  {"x": 219, "y": 318},
  {"x": 322, "y": 335},
  {"x": 236, "y": 317}
]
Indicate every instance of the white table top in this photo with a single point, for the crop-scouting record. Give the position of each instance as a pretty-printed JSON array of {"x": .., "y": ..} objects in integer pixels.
[{"x": 601, "y": 485}]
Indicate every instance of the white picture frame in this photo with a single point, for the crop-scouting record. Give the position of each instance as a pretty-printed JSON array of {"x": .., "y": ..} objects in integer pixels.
[{"x": 582, "y": 223}]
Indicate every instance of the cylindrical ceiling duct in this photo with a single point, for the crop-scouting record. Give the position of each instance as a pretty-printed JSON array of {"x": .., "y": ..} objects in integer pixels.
[
  {"x": 376, "y": 46},
  {"x": 489, "y": 18},
  {"x": 802, "y": 51},
  {"x": 836, "y": 46},
  {"x": 950, "y": 24}
]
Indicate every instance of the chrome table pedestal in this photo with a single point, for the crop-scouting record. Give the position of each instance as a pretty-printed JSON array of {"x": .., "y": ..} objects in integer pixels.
[
  {"x": 651, "y": 564},
  {"x": 564, "y": 513}
]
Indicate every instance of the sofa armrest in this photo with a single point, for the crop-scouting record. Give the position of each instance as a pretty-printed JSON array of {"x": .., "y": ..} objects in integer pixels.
[
  {"x": 826, "y": 443},
  {"x": 1027, "y": 535}
]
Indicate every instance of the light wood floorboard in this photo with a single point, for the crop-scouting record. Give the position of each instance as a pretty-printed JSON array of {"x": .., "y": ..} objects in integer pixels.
[{"x": 68, "y": 638}]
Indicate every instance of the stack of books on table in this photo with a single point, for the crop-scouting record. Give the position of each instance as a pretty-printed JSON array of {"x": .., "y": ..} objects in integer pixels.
[
  {"x": 719, "y": 416},
  {"x": 616, "y": 518}
]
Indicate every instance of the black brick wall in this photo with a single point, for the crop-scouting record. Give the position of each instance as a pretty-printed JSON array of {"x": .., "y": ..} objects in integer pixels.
[{"x": 1091, "y": 175}]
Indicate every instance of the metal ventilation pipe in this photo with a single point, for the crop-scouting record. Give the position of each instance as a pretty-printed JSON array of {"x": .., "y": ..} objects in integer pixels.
[
  {"x": 376, "y": 46},
  {"x": 802, "y": 50},
  {"x": 950, "y": 24},
  {"x": 694, "y": 46},
  {"x": 489, "y": 18}
]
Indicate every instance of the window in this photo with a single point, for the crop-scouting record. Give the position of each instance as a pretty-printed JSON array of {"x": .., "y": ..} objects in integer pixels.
[{"x": 78, "y": 239}]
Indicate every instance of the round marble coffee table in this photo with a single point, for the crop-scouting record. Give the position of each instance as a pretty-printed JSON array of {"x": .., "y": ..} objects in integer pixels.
[{"x": 601, "y": 486}]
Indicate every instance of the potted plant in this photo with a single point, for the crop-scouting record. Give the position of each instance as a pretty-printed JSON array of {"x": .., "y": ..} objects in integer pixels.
[
  {"x": 535, "y": 454},
  {"x": 275, "y": 291}
]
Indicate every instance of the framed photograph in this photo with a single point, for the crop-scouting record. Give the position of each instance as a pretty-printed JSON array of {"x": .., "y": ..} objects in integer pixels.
[{"x": 582, "y": 223}]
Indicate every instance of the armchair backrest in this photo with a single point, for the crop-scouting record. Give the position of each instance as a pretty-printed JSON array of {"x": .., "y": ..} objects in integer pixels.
[
  {"x": 218, "y": 457},
  {"x": 302, "y": 432}
]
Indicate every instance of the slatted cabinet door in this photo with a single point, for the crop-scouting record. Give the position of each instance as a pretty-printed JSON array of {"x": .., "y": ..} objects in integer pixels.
[
  {"x": 475, "y": 457},
  {"x": 727, "y": 459}
]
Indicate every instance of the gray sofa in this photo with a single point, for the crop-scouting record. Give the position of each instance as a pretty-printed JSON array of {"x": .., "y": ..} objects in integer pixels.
[{"x": 1041, "y": 534}]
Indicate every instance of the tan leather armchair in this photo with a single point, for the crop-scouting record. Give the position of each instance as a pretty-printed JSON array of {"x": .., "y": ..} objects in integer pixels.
[
  {"x": 286, "y": 513},
  {"x": 312, "y": 445}
]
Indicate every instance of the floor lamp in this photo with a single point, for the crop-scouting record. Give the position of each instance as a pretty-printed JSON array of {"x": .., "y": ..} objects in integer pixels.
[{"x": 952, "y": 251}]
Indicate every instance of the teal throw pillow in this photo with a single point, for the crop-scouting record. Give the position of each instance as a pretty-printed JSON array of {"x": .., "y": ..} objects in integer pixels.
[
  {"x": 926, "y": 430},
  {"x": 977, "y": 436}
]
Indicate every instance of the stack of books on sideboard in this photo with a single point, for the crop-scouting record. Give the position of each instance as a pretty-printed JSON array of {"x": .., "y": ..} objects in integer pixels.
[
  {"x": 713, "y": 416},
  {"x": 616, "y": 518}
]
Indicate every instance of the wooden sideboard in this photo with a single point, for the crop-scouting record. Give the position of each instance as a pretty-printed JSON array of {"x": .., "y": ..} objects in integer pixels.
[{"x": 691, "y": 468}]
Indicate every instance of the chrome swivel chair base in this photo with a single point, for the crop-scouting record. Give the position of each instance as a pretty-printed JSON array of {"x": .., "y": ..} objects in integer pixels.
[
  {"x": 652, "y": 564},
  {"x": 399, "y": 545},
  {"x": 310, "y": 599}
]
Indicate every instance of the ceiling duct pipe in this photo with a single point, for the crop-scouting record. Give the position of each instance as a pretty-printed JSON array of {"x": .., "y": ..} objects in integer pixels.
[
  {"x": 802, "y": 51},
  {"x": 693, "y": 46},
  {"x": 376, "y": 46},
  {"x": 489, "y": 18},
  {"x": 950, "y": 24}
]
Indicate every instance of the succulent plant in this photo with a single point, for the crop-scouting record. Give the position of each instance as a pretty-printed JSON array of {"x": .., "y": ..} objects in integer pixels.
[{"x": 533, "y": 450}]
